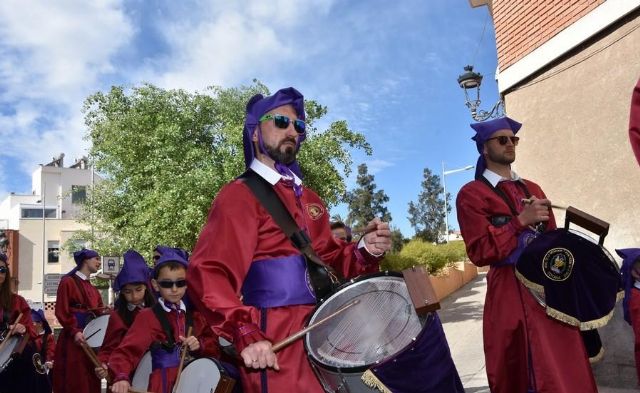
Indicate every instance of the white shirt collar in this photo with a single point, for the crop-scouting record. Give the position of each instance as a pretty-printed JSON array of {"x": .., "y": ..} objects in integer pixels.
[
  {"x": 81, "y": 275},
  {"x": 269, "y": 174},
  {"x": 494, "y": 178},
  {"x": 167, "y": 309}
]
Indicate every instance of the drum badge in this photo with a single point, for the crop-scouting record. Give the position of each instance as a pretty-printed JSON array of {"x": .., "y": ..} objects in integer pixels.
[
  {"x": 557, "y": 264},
  {"x": 315, "y": 211}
]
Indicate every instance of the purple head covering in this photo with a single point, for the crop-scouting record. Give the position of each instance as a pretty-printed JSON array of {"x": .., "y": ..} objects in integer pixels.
[
  {"x": 38, "y": 316},
  {"x": 629, "y": 256},
  {"x": 162, "y": 249},
  {"x": 484, "y": 130},
  {"x": 85, "y": 253},
  {"x": 257, "y": 106},
  {"x": 171, "y": 255},
  {"x": 134, "y": 270}
]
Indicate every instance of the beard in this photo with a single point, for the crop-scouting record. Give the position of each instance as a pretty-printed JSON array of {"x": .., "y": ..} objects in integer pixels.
[
  {"x": 501, "y": 158},
  {"x": 285, "y": 155}
]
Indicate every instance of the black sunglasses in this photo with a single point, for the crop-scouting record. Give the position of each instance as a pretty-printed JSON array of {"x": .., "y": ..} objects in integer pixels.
[
  {"x": 3, "y": 269},
  {"x": 503, "y": 139},
  {"x": 282, "y": 121},
  {"x": 168, "y": 284}
]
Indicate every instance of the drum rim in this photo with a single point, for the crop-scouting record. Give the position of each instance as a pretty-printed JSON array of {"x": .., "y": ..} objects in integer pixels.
[
  {"x": 354, "y": 369},
  {"x": 11, "y": 349}
]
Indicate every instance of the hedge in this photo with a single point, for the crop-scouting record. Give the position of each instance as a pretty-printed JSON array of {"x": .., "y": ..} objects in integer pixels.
[{"x": 434, "y": 257}]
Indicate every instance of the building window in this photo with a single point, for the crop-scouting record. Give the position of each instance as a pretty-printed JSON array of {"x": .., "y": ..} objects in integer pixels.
[
  {"x": 78, "y": 194},
  {"x": 37, "y": 213},
  {"x": 53, "y": 251}
]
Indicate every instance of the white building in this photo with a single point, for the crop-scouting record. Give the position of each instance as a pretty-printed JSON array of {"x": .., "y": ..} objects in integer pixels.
[{"x": 57, "y": 193}]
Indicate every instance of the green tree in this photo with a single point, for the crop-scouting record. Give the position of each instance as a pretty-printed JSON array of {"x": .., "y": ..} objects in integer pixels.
[
  {"x": 397, "y": 240},
  {"x": 427, "y": 214},
  {"x": 365, "y": 202},
  {"x": 165, "y": 154}
]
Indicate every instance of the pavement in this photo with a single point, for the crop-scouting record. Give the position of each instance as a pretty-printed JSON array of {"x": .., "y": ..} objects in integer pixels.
[{"x": 461, "y": 316}]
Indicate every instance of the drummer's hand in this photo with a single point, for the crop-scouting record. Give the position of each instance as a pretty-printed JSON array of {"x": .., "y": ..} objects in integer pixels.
[
  {"x": 101, "y": 372},
  {"x": 259, "y": 355},
  {"x": 121, "y": 387},
  {"x": 192, "y": 342},
  {"x": 635, "y": 270},
  {"x": 48, "y": 365},
  {"x": 19, "y": 328},
  {"x": 378, "y": 240},
  {"x": 79, "y": 338},
  {"x": 535, "y": 212}
]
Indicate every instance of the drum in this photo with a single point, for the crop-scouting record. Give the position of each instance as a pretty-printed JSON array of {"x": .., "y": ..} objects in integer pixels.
[
  {"x": 95, "y": 330},
  {"x": 8, "y": 351},
  {"x": 366, "y": 342},
  {"x": 572, "y": 276},
  {"x": 205, "y": 375},
  {"x": 140, "y": 379}
]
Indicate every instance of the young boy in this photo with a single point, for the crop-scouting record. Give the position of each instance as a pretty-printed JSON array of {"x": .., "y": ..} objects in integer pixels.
[
  {"x": 162, "y": 330},
  {"x": 45, "y": 345}
]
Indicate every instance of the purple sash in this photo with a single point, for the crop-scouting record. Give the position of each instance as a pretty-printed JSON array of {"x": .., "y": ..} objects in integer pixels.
[
  {"x": 82, "y": 318},
  {"x": 524, "y": 239},
  {"x": 160, "y": 358},
  {"x": 278, "y": 282}
]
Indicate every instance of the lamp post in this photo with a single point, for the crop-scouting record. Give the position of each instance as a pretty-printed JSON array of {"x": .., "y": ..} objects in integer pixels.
[
  {"x": 470, "y": 81},
  {"x": 44, "y": 236},
  {"x": 444, "y": 191}
]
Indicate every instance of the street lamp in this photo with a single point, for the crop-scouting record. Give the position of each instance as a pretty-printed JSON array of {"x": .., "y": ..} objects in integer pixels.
[
  {"x": 444, "y": 191},
  {"x": 470, "y": 81}
]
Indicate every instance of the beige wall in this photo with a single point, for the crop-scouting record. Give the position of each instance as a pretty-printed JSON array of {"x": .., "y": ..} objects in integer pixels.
[
  {"x": 575, "y": 136},
  {"x": 31, "y": 254}
]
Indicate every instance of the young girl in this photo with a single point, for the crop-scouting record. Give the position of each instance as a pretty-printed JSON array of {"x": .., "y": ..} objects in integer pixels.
[
  {"x": 132, "y": 284},
  {"x": 45, "y": 345},
  {"x": 11, "y": 305}
]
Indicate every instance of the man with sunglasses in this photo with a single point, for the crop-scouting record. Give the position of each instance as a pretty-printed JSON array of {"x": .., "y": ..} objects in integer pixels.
[
  {"x": 499, "y": 213},
  {"x": 249, "y": 279}
]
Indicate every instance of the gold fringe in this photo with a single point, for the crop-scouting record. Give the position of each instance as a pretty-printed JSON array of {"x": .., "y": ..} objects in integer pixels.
[
  {"x": 619, "y": 296},
  {"x": 369, "y": 379},
  {"x": 598, "y": 357},
  {"x": 530, "y": 284}
]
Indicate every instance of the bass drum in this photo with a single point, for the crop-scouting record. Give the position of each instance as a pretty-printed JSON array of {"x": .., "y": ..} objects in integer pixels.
[
  {"x": 95, "y": 330},
  {"x": 9, "y": 352},
  {"x": 140, "y": 380}
]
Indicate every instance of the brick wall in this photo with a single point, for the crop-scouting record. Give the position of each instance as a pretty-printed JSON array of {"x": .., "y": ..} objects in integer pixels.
[{"x": 523, "y": 25}]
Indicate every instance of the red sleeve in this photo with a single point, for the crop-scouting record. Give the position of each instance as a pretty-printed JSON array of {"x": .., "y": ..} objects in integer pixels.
[
  {"x": 487, "y": 244},
  {"x": 634, "y": 122},
  {"x": 21, "y": 306},
  {"x": 66, "y": 291},
  {"x": 209, "y": 344},
  {"x": 116, "y": 330},
  {"x": 143, "y": 332},
  {"x": 51, "y": 347}
]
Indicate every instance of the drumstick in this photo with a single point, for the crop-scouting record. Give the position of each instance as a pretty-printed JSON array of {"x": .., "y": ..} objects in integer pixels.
[
  {"x": 529, "y": 201},
  {"x": 184, "y": 353},
  {"x": 13, "y": 330},
  {"x": 295, "y": 336},
  {"x": 364, "y": 230},
  {"x": 96, "y": 363},
  {"x": 92, "y": 334}
]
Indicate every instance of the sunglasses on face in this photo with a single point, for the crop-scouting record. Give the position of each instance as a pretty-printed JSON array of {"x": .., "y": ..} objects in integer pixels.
[
  {"x": 168, "y": 284},
  {"x": 3, "y": 269},
  {"x": 282, "y": 121},
  {"x": 503, "y": 139}
]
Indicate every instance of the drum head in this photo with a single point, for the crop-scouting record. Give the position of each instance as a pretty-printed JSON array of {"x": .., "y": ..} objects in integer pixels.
[
  {"x": 200, "y": 376},
  {"x": 379, "y": 326},
  {"x": 7, "y": 350},
  {"x": 95, "y": 331},
  {"x": 140, "y": 379},
  {"x": 575, "y": 278}
]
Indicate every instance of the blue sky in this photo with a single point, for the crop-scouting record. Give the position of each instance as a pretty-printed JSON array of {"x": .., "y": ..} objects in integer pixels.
[{"x": 389, "y": 70}]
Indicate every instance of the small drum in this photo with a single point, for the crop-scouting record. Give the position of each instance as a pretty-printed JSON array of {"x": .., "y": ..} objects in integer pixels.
[
  {"x": 8, "y": 351},
  {"x": 573, "y": 277},
  {"x": 205, "y": 375},
  {"x": 381, "y": 329},
  {"x": 140, "y": 379},
  {"x": 95, "y": 330}
]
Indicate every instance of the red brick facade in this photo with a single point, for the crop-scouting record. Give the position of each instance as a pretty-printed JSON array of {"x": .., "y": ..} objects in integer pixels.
[{"x": 522, "y": 25}]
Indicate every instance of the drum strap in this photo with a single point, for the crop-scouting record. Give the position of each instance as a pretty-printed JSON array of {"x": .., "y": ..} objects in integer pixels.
[
  {"x": 324, "y": 278},
  {"x": 161, "y": 315},
  {"x": 83, "y": 293},
  {"x": 504, "y": 196}
]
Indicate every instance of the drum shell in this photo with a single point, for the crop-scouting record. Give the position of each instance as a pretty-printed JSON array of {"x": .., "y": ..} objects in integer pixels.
[{"x": 140, "y": 380}]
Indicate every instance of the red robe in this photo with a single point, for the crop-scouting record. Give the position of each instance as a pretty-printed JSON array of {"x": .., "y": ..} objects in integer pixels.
[
  {"x": 239, "y": 231},
  {"x": 50, "y": 347},
  {"x": 634, "y": 122},
  {"x": 515, "y": 326},
  {"x": 146, "y": 330},
  {"x": 19, "y": 305},
  {"x": 13, "y": 378},
  {"x": 73, "y": 371},
  {"x": 116, "y": 330}
]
